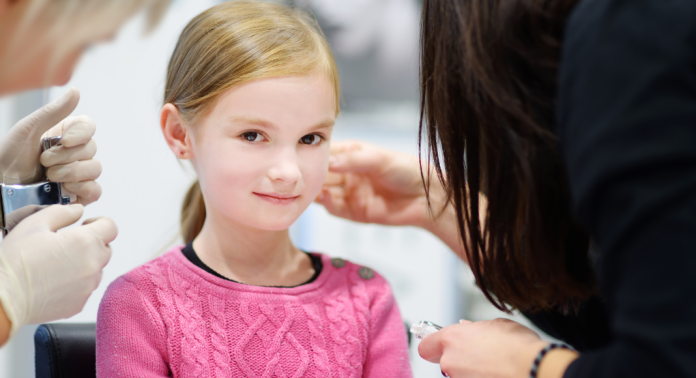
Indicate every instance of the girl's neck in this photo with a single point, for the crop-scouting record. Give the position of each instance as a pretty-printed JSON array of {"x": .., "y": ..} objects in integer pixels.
[{"x": 252, "y": 256}]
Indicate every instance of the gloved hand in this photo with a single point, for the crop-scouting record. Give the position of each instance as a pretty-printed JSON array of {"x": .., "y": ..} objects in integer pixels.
[
  {"x": 47, "y": 275},
  {"x": 72, "y": 163}
]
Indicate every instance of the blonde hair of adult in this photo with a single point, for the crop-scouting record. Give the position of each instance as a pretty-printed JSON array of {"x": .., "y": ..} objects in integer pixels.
[
  {"x": 231, "y": 44},
  {"x": 65, "y": 25}
]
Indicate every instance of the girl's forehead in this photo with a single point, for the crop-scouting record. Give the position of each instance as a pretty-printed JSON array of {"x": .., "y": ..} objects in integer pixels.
[{"x": 305, "y": 98}]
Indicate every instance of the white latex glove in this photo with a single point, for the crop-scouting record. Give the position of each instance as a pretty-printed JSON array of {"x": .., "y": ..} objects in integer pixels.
[
  {"x": 47, "y": 275},
  {"x": 72, "y": 164}
]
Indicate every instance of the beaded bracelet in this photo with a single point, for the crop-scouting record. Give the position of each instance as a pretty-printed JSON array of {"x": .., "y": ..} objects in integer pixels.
[{"x": 540, "y": 356}]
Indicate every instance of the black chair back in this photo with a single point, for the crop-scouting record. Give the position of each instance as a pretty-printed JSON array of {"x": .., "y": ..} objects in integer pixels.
[{"x": 65, "y": 350}]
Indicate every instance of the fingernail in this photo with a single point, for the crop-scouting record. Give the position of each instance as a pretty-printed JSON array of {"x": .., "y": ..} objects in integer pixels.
[{"x": 332, "y": 160}]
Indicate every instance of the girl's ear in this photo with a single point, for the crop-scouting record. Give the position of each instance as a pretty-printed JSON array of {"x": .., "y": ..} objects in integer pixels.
[{"x": 175, "y": 132}]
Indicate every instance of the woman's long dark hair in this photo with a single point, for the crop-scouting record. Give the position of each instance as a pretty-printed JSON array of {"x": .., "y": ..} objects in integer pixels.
[{"x": 488, "y": 89}]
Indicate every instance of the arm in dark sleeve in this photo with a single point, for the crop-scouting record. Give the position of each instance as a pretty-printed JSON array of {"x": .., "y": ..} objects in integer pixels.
[
  {"x": 584, "y": 330},
  {"x": 627, "y": 126}
]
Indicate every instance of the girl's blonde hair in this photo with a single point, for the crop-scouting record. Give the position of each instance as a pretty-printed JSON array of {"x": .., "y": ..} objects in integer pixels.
[{"x": 231, "y": 44}]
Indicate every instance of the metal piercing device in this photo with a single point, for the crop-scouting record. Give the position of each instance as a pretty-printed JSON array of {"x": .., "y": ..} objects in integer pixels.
[
  {"x": 17, "y": 200},
  {"x": 424, "y": 328}
]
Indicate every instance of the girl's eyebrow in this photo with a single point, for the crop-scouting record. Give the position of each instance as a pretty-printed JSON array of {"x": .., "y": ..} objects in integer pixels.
[
  {"x": 270, "y": 126},
  {"x": 254, "y": 121},
  {"x": 323, "y": 125}
]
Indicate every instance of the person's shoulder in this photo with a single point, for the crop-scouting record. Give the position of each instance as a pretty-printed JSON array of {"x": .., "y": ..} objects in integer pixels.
[
  {"x": 144, "y": 280},
  {"x": 365, "y": 287},
  {"x": 356, "y": 275},
  {"x": 138, "y": 300},
  {"x": 597, "y": 27}
]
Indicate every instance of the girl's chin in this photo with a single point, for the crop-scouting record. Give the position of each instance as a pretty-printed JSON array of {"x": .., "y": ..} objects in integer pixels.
[{"x": 272, "y": 224}]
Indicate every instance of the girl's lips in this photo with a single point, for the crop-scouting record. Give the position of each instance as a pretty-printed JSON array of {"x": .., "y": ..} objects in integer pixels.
[{"x": 276, "y": 198}]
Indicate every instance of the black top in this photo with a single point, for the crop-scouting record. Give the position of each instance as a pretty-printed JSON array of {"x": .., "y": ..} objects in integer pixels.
[
  {"x": 627, "y": 127},
  {"x": 191, "y": 255}
]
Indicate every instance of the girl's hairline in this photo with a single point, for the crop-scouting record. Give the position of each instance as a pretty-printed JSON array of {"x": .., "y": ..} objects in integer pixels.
[{"x": 208, "y": 106}]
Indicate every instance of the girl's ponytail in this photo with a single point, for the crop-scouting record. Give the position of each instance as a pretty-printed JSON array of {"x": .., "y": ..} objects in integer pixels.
[{"x": 192, "y": 213}]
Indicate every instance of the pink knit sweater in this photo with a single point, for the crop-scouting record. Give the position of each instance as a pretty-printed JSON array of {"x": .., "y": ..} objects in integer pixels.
[{"x": 170, "y": 318}]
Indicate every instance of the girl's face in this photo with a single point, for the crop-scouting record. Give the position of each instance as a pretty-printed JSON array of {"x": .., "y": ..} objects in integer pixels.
[{"x": 262, "y": 153}]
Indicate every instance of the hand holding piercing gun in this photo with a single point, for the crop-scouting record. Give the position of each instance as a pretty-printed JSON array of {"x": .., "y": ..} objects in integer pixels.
[
  {"x": 17, "y": 201},
  {"x": 424, "y": 329}
]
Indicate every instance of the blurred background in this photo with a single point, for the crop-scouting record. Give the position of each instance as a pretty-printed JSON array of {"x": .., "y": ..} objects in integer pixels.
[{"x": 376, "y": 46}]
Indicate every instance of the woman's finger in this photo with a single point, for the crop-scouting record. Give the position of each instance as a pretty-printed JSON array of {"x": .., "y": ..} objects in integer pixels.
[
  {"x": 335, "y": 179},
  {"x": 49, "y": 118},
  {"x": 77, "y": 130},
  {"x": 86, "y": 191},
  {"x": 88, "y": 170},
  {"x": 430, "y": 348},
  {"x": 64, "y": 155},
  {"x": 361, "y": 161},
  {"x": 346, "y": 145},
  {"x": 334, "y": 201},
  {"x": 53, "y": 217}
]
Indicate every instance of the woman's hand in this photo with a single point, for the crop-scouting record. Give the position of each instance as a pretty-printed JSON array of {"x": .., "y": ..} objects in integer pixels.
[
  {"x": 499, "y": 348},
  {"x": 370, "y": 184},
  {"x": 72, "y": 163},
  {"x": 47, "y": 274},
  {"x": 373, "y": 185}
]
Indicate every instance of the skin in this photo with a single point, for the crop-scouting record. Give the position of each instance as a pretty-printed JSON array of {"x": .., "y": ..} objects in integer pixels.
[
  {"x": 373, "y": 185},
  {"x": 262, "y": 155},
  {"x": 30, "y": 68},
  {"x": 5, "y": 327},
  {"x": 370, "y": 184}
]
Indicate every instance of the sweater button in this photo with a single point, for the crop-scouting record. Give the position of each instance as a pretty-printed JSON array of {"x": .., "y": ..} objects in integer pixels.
[
  {"x": 366, "y": 273},
  {"x": 338, "y": 262}
]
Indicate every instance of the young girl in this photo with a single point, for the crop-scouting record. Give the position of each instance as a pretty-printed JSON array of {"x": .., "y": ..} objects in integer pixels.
[{"x": 251, "y": 97}]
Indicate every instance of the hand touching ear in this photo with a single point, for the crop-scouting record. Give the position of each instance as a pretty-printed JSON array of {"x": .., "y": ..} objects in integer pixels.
[{"x": 373, "y": 185}]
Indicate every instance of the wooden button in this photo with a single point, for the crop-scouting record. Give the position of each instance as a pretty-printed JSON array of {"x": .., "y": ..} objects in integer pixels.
[
  {"x": 366, "y": 273},
  {"x": 338, "y": 262}
]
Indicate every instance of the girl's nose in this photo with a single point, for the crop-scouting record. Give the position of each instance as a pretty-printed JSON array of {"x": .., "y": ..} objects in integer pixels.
[{"x": 285, "y": 169}]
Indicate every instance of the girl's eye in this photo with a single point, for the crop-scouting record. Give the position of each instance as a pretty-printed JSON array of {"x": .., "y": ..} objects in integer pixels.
[
  {"x": 252, "y": 136},
  {"x": 310, "y": 139}
]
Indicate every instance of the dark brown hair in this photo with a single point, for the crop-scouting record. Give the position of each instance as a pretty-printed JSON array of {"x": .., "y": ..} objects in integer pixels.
[{"x": 488, "y": 89}]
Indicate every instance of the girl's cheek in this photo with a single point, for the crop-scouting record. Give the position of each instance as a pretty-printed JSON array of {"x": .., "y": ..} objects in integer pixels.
[{"x": 316, "y": 166}]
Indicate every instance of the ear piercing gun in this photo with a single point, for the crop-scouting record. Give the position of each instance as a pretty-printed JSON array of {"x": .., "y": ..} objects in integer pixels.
[{"x": 424, "y": 328}]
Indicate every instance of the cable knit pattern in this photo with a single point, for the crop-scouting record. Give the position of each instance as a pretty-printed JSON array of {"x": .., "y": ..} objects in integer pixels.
[
  {"x": 165, "y": 301},
  {"x": 218, "y": 337},
  {"x": 321, "y": 359},
  {"x": 192, "y": 326},
  {"x": 340, "y": 325}
]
